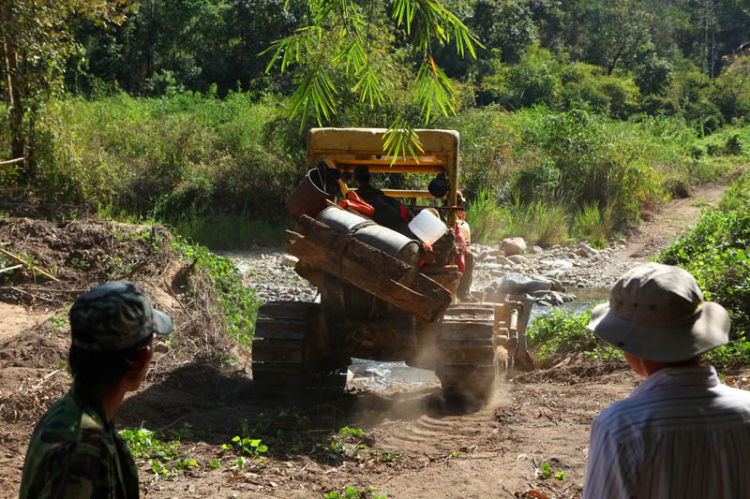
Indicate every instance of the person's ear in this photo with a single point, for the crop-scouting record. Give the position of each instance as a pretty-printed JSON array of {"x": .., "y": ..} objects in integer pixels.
[{"x": 142, "y": 359}]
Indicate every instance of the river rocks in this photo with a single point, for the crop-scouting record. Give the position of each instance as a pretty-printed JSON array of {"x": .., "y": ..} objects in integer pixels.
[
  {"x": 270, "y": 272},
  {"x": 555, "y": 284},
  {"x": 556, "y": 269},
  {"x": 517, "y": 259},
  {"x": 513, "y": 246},
  {"x": 558, "y": 264},
  {"x": 583, "y": 249}
]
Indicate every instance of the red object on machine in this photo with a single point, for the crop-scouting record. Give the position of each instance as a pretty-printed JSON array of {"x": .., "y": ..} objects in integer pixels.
[
  {"x": 356, "y": 203},
  {"x": 461, "y": 246}
]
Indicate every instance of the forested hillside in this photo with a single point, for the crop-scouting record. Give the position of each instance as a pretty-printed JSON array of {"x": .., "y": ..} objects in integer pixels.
[{"x": 575, "y": 116}]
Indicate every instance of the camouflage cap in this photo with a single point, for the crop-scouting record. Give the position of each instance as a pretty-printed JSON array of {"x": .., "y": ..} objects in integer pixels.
[{"x": 115, "y": 316}]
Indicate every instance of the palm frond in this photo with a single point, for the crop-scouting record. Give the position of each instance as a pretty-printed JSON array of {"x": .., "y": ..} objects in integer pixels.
[
  {"x": 400, "y": 138},
  {"x": 370, "y": 87},
  {"x": 433, "y": 87},
  {"x": 317, "y": 90},
  {"x": 289, "y": 49}
]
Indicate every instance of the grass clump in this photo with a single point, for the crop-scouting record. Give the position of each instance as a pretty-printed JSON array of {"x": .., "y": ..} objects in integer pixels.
[
  {"x": 593, "y": 225},
  {"x": 543, "y": 223}
]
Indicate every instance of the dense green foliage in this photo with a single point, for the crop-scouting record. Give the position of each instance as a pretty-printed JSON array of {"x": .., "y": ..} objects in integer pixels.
[
  {"x": 574, "y": 116},
  {"x": 716, "y": 251},
  {"x": 564, "y": 331}
]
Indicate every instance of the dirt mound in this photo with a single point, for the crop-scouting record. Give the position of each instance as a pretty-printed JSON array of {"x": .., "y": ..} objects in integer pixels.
[
  {"x": 31, "y": 349},
  {"x": 63, "y": 260},
  {"x": 59, "y": 261},
  {"x": 573, "y": 368}
]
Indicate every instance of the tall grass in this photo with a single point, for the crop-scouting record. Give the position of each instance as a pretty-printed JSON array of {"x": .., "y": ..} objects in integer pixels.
[
  {"x": 485, "y": 217},
  {"x": 543, "y": 223},
  {"x": 187, "y": 157},
  {"x": 172, "y": 158},
  {"x": 593, "y": 225}
]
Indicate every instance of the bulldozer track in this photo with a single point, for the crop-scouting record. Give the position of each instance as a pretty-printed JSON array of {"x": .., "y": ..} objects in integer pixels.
[
  {"x": 466, "y": 351},
  {"x": 279, "y": 359}
]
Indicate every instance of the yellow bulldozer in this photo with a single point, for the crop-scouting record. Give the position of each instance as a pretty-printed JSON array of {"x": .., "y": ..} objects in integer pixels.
[{"x": 386, "y": 294}]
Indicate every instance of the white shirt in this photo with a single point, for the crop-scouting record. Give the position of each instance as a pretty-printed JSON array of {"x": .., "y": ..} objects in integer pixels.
[{"x": 681, "y": 434}]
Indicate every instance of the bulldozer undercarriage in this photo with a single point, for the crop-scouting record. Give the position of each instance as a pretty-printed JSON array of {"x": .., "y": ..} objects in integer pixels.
[{"x": 467, "y": 348}]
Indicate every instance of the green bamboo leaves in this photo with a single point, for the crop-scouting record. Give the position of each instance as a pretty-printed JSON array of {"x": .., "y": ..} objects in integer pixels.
[{"x": 338, "y": 38}]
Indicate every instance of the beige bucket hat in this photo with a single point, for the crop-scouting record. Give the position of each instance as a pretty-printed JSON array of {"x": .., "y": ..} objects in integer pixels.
[{"x": 657, "y": 312}]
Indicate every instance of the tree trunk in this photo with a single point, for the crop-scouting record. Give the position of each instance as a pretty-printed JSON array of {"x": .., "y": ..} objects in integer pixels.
[
  {"x": 10, "y": 63},
  {"x": 611, "y": 67}
]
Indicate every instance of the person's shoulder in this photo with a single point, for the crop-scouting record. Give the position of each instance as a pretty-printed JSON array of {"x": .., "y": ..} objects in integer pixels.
[
  {"x": 59, "y": 424},
  {"x": 64, "y": 427},
  {"x": 52, "y": 444},
  {"x": 734, "y": 396},
  {"x": 622, "y": 411}
]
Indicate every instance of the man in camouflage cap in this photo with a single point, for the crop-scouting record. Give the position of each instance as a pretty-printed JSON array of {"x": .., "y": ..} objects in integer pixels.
[{"x": 75, "y": 452}]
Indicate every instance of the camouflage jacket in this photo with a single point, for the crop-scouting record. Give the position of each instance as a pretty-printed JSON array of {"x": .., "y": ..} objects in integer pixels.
[{"x": 76, "y": 453}]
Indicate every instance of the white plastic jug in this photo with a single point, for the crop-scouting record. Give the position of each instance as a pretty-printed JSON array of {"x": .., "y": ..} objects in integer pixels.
[
  {"x": 427, "y": 227},
  {"x": 463, "y": 226}
]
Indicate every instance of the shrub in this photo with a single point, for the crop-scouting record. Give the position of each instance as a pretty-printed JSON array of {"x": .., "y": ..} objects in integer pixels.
[
  {"x": 532, "y": 81},
  {"x": 656, "y": 105},
  {"x": 716, "y": 253},
  {"x": 595, "y": 166},
  {"x": 563, "y": 331},
  {"x": 489, "y": 142},
  {"x": 731, "y": 93},
  {"x": 238, "y": 306},
  {"x": 654, "y": 76},
  {"x": 176, "y": 157},
  {"x": 623, "y": 96}
]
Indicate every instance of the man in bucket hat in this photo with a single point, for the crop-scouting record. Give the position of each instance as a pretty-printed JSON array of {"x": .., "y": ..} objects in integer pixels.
[
  {"x": 75, "y": 452},
  {"x": 681, "y": 433}
]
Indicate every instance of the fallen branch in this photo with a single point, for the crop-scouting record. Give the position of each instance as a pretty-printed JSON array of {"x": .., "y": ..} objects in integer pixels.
[
  {"x": 138, "y": 266},
  {"x": 8, "y": 269},
  {"x": 41, "y": 382},
  {"x": 24, "y": 262},
  {"x": 11, "y": 161},
  {"x": 29, "y": 294},
  {"x": 49, "y": 290}
]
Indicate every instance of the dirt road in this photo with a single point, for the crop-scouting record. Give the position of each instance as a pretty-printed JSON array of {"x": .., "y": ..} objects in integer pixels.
[{"x": 402, "y": 443}]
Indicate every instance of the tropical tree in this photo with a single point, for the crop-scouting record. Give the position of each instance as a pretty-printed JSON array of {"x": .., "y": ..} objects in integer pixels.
[
  {"x": 339, "y": 36},
  {"x": 36, "y": 43},
  {"x": 617, "y": 32}
]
